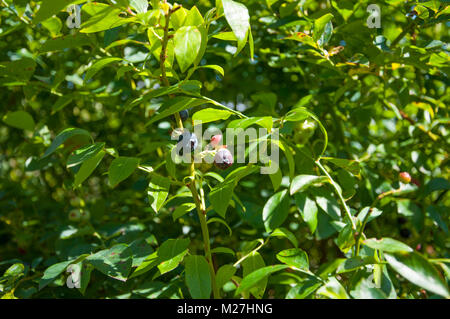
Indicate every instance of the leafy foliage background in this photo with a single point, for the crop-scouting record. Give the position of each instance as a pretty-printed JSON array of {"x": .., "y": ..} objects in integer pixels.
[{"x": 380, "y": 94}]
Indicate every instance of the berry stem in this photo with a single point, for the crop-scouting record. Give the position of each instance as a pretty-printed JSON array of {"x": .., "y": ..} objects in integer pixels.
[{"x": 374, "y": 203}]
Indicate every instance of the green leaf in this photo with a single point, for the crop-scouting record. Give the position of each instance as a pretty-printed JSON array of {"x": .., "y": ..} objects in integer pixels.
[
  {"x": 227, "y": 36},
  {"x": 85, "y": 276},
  {"x": 221, "y": 221},
  {"x": 374, "y": 213},
  {"x": 257, "y": 276},
  {"x": 276, "y": 179},
  {"x": 54, "y": 25},
  {"x": 346, "y": 238},
  {"x": 437, "y": 184},
  {"x": 171, "y": 253},
  {"x": 49, "y": 8},
  {"x": 198, "y": 278},
  {"x": 329, "y": 205},
  {"x": 76, "y": 40},
  {"x": 253, "y": 262},
  {"x": 182, "y": 210},
  {"x": 419, "y": 271},
  {"x": 433, "y": 212},
  {"x": 294, "y": 257},
  {"x": 308, "y": 209},
  {"x": 276, "y": 210},
  {"x": 139, "y": 250},
  {"x": 222, "y": 250},
  {"x": 87, "y": 168},
  {"x": 84, "y": 153},
  {"x": 113, "y": 262},
  {"x": 302, "y": 182},
  {"x": 350, "y": 165},
  {"x": 175, "y": 105},
  {"x": 19, "y": 119},
  {"x": 62, "y": 102},
  {"x": 333, "y": 289},
  {"x": 224, "y": 275},
  {"x": 214, "y": 67},
  {"x": 188, "y": 41},
  {"x": 304, "y": 288},
  {"x": 152, "y": 94},
  {"x": 283, "y": 232},
  {"x": 387, "y": 244},
  {"x": 238, "y": 18},
  {"x": 409, "y": 209},
  {"x": 178, "y": 17},
  {"x": 354, "y": 263},
  {"x": 140, "y": 6},
  {"x": 289, "y": 156},
  {"x": 107, "y": 17},
  {"x": 210, "y": 115},
  {"x": 52, "y": 272},
  {"x": 121, "y": 168},
  {"x": 194, "y": 18},
  {"x": 158, "y": 189},
  {"x": 15, "y": 270},
  {"x": 221, "y": 194},
  {"x": 320, "y": 24},
  {"x": 97, "y": 66},
  {"x": 366, "y": 289},
  {"x": 20, "y": 70},
  {"x": 63, "y": 136},
  {"x": 266, "y": 122},
  {"x": 148, "y": 264}
]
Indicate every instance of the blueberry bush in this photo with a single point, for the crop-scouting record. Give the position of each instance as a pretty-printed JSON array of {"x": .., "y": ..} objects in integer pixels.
[{"x": 102, "y": 99}]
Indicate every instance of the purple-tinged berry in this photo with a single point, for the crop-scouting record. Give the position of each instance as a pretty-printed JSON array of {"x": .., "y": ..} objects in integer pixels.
[{"x": 223, "y": 158}]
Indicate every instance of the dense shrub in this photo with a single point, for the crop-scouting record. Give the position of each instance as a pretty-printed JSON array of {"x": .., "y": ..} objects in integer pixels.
[{"x": 94, "y": 202}]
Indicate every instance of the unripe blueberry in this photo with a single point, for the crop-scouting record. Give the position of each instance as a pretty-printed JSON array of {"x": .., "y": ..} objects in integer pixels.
[
  {"x": 85, "y": 215},
  {"x": 223, "y": 158},
  {"x": 404, "y": 177},
  {"x": 184, "y": 115},
  {"x": 188, "y": 140},
  {"x": 303, "y": 131},
  {"x": 215, "y": 140},
  {"x": 76, "y": 202},
  {"x": 75, "y": 215}
]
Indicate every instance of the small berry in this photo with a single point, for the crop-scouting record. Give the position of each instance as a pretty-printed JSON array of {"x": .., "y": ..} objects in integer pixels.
[
  {"x": 215, "y": 140},
  {"x": 187, "y": 140},
  {"x": 75, "y": 215},
  {"x": 223, "y": 158},
  {"x": 404, "y": 177},
  {"x": 184, "y": 115},
  {"x": 405, "y": 232},
  {"x": 85, "y": 215}
]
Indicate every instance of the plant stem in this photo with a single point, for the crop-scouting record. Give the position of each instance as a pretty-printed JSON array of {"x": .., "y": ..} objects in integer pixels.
[
  {"x": 347, "y": 210},
  {"x": 374, "y": 203},
  {"x": 201, "y": 211},
  {"x": 198, "y": 199}
]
